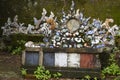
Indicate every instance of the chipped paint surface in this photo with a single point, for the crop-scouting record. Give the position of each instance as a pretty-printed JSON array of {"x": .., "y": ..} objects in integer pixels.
[
  {"x": 73, "y": 60},
  {"x": 61, "y": 59}
]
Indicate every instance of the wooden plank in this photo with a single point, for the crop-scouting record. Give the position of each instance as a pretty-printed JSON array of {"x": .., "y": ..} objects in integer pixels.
[
  {"x": 70, "y": 50},
  {"x": 73, "y": 60},
  {"x": 73, "y": 50},
  {"x": 76, "y": 72},
  {"x": 87, "y": 60},
  {"x": 33, "y": 49},
  {"x": 70, "y": 72},
  {"x": 61, "y": 59},
  {"x": 23, "y": 57},
  {"x": 48, "y": 59},
  {"x": 32, "y": 58}
]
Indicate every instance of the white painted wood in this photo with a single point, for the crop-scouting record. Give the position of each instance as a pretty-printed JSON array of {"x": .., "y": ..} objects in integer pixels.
[
  {"x": 61, "y": 59},
  {"x": 73, "y": 60}
]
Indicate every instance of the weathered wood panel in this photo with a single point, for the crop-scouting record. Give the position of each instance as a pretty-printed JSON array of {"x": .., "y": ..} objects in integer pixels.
[
  {"x": 48, "y": 59},
  {"x": 87, "y": 60},
  {"x": 74, "y": 50},
  {"x": 73, "y": 60},
  {"x": 72, "y": 63},
  {"x": 60, "y": 59},
  {"x": 71, "y": 72},
  {"x": 32, "y": 58}
]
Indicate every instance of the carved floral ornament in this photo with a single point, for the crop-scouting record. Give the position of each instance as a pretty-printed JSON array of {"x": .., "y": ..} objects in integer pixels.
[{"x": 74, "y": 30}]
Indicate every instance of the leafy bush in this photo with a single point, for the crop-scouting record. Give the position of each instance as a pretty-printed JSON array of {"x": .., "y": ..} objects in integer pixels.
[
  {"x": 57, "y": 75},
  {"x": 43, "y": 74},
  {"x": 18, "y": 49},
  {"x": 15, "y": 43},
  {"x": 113, "y": 68}
]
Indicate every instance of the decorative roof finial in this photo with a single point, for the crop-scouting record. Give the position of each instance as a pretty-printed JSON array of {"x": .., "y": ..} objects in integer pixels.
[
  {"x": 44, "y": 12},
  {"x": 72, "y": 6}
]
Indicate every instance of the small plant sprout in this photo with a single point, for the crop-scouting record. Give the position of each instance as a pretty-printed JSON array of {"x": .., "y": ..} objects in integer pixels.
[
  {"x": 24, "y": 71},
  {"x": 95, "y": 78},
  {"x": 87, "y": 77},
  {"x": 57, "y": 75}
]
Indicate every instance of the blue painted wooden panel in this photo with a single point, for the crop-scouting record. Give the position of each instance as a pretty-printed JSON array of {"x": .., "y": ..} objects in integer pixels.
[
  {"x": 32, "y": 58},
  {"x": 48, "y": 59}
]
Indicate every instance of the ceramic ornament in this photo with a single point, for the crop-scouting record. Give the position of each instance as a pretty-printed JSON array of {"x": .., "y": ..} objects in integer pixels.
[
  {"x": 58, "y": 44},
  {"x": 97, "y": 23},
  {"x": 51, "y": 46},
  {"x": 99, "y": 46},
  {"x": 70, "y": 46},
  {"x": 42, "y": 45},
  {"x": 65, "y": 46},
  {"x": 57, "y": 38},
  {"x": 73, "y": 25},
  {"x": 76, "y": 33},
  {"x": 79, "y": 45},
  {"x": 63, "y": 39},
  {"x": 78, "y": 40},
  {"x": 81, "y": 16},
  {"x": 68, "y": 38},
  {"x": 67, "y": 34},
  {"x": 77, "y": 15}
]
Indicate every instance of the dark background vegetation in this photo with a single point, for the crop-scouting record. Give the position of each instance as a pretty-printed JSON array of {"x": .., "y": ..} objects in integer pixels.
[{"x": 27, "y": 9}]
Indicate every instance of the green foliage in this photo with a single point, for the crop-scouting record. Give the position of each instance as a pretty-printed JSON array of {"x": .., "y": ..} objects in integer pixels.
[
  {"x": 23, "y": 72},
  {"x": 113, "y": 68},
  {"x": 18, "y": 49},
  {"x": 95, "y": 78},
  {"x": 87, "y": 77},
  {"x": 57, "y": 75},
  {"x": 42, "y": 74},
  {"x": 15, "y": 42},
  {"x": 117, "y": 40},
  {"x": 26, "y": 37}
]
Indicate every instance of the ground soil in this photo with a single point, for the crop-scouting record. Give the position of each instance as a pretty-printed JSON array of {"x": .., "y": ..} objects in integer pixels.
[{"x": 10, "y": 66}]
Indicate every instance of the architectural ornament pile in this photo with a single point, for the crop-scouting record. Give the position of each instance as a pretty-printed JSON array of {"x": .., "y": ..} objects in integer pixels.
[{"x": 74, "y": 30}]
